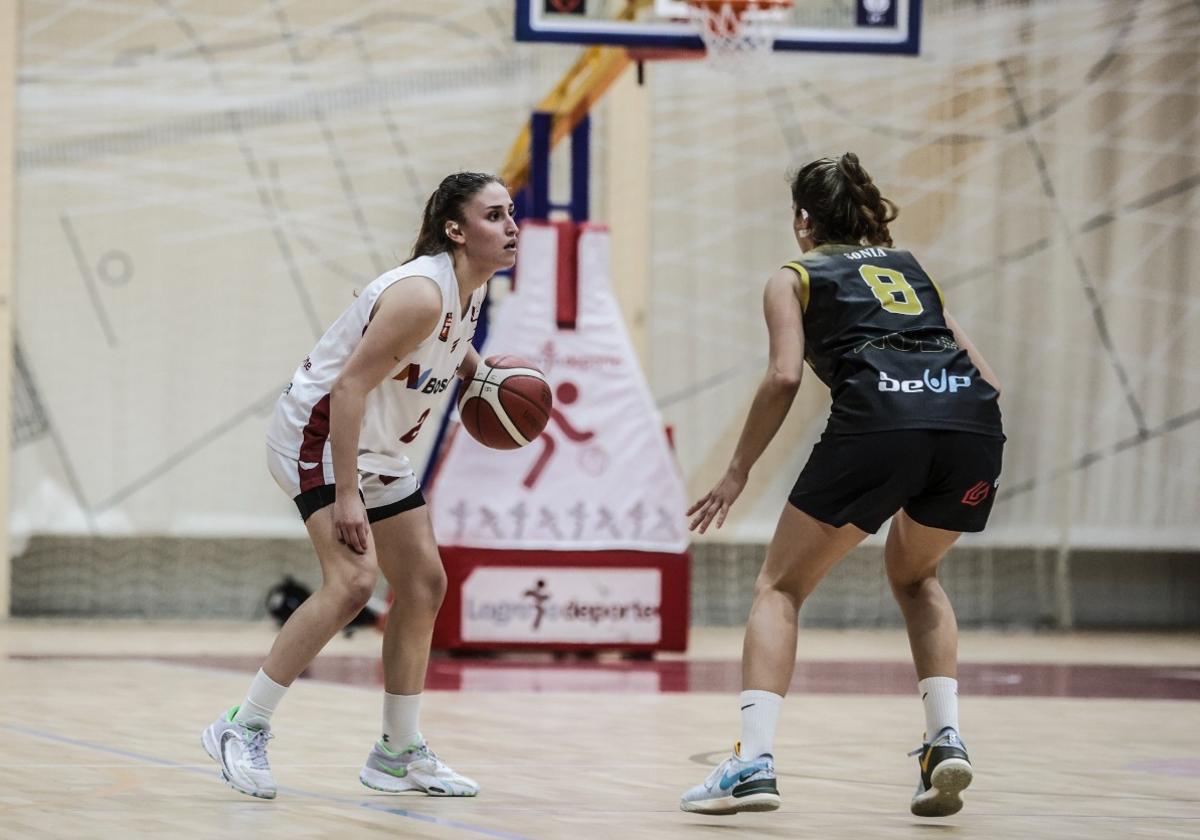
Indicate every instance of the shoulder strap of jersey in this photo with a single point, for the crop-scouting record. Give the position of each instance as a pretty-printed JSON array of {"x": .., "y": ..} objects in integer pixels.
[
  {"x": 803, "y": 272},
  {"x": 938, "y": 289}
]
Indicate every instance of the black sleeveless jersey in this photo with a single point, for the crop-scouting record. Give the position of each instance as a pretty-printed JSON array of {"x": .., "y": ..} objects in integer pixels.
[{"x": 874, "y": 332}]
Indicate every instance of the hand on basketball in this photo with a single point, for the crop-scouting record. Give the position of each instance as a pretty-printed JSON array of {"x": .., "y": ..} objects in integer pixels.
[
  {"x": 716, "y": 502},
  {"x": 350, "y": 524},
  {"x": 468, "y": 366}
]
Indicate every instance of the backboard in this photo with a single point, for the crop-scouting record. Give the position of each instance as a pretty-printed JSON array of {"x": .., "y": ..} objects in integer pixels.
[{"x": 880, "y": 26}]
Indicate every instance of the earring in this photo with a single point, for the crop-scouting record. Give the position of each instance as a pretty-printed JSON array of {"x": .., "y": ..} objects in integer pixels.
[{"x": 805, "y": 218}]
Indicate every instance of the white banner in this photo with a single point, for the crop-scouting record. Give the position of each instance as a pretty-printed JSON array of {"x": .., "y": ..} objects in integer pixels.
[
  {"x": 602, "y": 474},
  {"x": 555, "y": 604}
]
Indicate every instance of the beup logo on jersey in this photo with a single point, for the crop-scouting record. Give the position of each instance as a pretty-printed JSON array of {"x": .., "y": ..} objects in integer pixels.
[
  {"x": 938, "y": 383},
  {"x": 445, "y": 333}
]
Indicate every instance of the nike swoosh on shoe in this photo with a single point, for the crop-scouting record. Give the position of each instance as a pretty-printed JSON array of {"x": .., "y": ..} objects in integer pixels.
[{"x": 728, "y": 781}]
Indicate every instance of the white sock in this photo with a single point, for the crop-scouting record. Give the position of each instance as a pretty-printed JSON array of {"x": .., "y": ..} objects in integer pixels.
[
  {"x": 261, "y": 701},
  {"x": 940, "y": 696},
  {"x": 401, "y": 713},
  {"x": 760, "y": 713}
]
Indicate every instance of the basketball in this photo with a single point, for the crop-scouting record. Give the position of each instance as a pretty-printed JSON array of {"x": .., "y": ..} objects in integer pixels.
[{"x": 507, "y": 403}]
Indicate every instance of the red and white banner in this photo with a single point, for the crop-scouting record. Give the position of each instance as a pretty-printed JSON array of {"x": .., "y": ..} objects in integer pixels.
[
  {"x": 602, "y": 475},
  {"x": 506, "y": 599},
  {"x": 548, "y": 604},
  {"x": 578, "y": 539}
]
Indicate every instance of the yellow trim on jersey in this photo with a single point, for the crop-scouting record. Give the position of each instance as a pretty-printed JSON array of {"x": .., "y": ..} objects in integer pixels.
[
  {"x": 938, "y": 289},
  {"x": 803, "y": 272}
]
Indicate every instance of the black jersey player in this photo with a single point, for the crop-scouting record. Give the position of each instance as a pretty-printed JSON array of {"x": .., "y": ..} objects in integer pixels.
[{"x": 914, "y": 435}]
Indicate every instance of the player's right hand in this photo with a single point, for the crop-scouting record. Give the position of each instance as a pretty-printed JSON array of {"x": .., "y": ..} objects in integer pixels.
[
  {"x": 350, "y": 525},
  {"x": 716, "y": 502}
]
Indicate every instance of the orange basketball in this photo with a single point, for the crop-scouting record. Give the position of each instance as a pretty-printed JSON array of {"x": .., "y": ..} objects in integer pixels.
[{"x": 506, "y": 404}]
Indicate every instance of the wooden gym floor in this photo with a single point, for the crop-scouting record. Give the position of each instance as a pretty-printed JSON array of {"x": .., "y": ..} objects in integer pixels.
[{"x": 1085, "y": 735}]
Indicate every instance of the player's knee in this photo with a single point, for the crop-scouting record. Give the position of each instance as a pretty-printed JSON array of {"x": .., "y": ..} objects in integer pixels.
[
  {"x": 769, "y": 586},
  {"x": 908, "y": 585},
  {"x": 429, "y": 587},
  {"x": 356, "y": 590}
]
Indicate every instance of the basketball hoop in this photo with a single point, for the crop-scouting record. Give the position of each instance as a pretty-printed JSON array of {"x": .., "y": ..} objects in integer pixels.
[{"x": 737, "y": 32}]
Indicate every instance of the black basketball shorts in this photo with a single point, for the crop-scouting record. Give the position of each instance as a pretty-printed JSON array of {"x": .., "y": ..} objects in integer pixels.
[
  {"x": 943, "y": 479},
  {"x": 312, "y": 487}
]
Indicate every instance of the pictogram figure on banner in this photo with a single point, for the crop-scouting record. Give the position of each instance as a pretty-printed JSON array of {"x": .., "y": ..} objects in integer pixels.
[
  {"x": 460, "y": 512},
  {"x": 565, "y": 394},
  {"x": 605, "y": 521},
  {"x": 488, "y": 519},
  {"x": 517, "y": 512},
  {"x": 578, "y": 512},
  {"x": 540, "y": 596},
  {"x": 637, "y": 515},
  {"x": 666, "y": 526},
  {"x": 549, "y": 522}
]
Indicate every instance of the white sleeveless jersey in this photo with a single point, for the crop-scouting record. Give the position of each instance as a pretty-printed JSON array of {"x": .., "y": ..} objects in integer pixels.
[{"x": 398, "y": 407}]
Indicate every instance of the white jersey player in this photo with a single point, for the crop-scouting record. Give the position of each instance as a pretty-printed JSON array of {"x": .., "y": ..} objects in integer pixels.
[
  {"x": 396, "y": 409},
  {"x": 336, "y": 445}
]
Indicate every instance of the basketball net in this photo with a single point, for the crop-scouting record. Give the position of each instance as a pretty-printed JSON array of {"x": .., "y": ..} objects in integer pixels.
[{"x": 737, "y": 34}]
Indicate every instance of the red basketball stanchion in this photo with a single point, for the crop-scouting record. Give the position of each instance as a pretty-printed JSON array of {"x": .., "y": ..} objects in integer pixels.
[{"x": 577, "y": 541}]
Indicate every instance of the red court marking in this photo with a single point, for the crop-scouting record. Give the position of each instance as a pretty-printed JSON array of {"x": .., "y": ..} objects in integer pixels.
[{"x": 672, "y": 676}]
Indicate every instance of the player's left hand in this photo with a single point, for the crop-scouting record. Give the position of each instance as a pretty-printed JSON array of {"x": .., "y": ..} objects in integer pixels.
[
  {"x": 468, "y": 366},
  {"x": 716, "y": 502}
]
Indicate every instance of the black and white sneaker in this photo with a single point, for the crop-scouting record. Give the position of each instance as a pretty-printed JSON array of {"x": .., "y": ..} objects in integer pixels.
[{"x": 945, "y": 774}]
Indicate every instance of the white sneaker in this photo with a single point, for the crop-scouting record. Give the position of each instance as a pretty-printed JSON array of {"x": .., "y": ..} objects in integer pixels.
[
  {"x": 241, "y": 751},
  {"x": 416, "y": 768},
  {"x": 735, "y": 785}
]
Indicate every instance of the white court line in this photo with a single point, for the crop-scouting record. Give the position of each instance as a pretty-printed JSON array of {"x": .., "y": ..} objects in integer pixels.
[{"x": 162, "y": 762}]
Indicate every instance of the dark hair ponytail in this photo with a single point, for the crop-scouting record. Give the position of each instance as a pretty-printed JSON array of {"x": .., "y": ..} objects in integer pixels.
[
  {"x": 444, "y": 205},
  {"x": 843, "y": 202}
]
